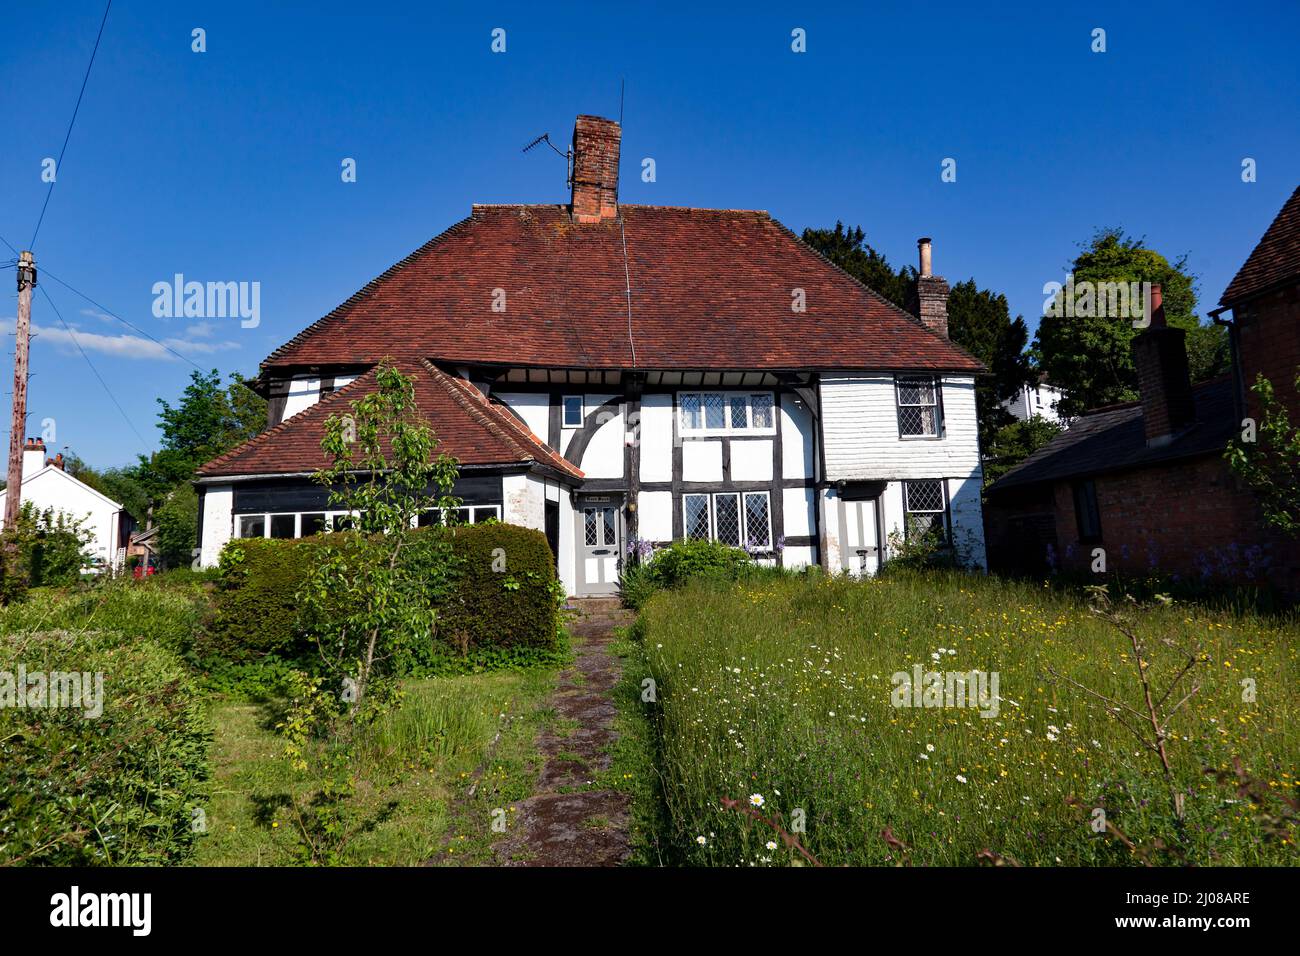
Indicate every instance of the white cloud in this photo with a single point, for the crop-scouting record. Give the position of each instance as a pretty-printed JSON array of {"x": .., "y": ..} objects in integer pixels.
[{"x": 124, "y": 345}]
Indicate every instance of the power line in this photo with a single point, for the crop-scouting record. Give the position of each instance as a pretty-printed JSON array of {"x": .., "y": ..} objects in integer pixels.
[
  {"x": 109, "y": 391},
  {"x": 50, "y": 275},
  {"x": 58, "y": 166}
]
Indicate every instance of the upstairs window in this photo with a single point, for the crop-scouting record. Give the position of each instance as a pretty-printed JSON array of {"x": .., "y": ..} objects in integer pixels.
[
  {"x": 919, "y": 413},
  {"x": 725, "y": 413},
  {"x": 573, "y": 411}
]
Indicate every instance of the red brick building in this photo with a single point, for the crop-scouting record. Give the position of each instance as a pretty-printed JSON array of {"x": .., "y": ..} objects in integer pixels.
[{"x": 1146, "y": 481}]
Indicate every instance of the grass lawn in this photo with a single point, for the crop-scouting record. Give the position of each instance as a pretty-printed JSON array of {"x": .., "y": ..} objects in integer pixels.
[
  {"x": 780, "y": 693},
  {"x": 450, "y": 735}
]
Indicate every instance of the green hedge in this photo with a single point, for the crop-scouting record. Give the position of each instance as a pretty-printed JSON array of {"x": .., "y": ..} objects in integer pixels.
[
  {"x": 121, "y": 788},
  {"x": 680, "y": 562},
  {"x": 501, "y": 615}
]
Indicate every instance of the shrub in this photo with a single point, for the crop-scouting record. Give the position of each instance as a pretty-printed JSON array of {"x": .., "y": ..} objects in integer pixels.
[
  {"x": 506, "y": 596},
  {"x": 492, "y": 617},
  {"x": 256, "y": 600},
  {"x": 118, "y": 789},
  {"x": 169, "y": 615},
  {"x": 681, "y": 562}
]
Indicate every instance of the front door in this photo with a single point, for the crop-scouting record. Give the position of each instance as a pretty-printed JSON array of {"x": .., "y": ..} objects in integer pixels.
[
  {"x": 600, "y": 544},
  {"x": 859, "y": 537}
]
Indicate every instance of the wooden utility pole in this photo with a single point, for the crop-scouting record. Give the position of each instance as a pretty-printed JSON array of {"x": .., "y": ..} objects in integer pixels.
[{"x": 18, "y": 429}]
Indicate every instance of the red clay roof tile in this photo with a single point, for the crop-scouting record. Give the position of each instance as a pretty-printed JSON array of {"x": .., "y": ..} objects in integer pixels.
[
  {"x": 467, "y": 426},
  {"x": 710, "y": 289}
]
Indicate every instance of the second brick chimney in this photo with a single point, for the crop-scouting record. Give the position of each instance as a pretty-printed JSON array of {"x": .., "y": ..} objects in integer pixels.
[
  {"x": 595, "y": 169},
  {"x": 930, "y": 297},
  {"x": 1164, "y": 383}
]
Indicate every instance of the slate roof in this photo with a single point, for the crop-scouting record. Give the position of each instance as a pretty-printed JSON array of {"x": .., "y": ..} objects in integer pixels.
[
  {"x": 1274, "y": 260},
  {"x": 1114, "y": 439},
  {"x": 467, "y": 426},
  {"x": 710, "y": 289}
]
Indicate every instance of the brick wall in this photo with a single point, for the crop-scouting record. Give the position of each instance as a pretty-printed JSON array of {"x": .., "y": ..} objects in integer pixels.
[
  {"x": 1269, "y": 344},
  {"x": 1187, "y": 518}
]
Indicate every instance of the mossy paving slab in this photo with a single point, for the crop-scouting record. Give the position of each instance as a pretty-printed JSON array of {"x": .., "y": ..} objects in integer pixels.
[{"x": 563, "y": 824}]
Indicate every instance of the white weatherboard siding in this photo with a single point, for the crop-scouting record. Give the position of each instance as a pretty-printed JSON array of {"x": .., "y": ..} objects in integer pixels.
[
  {"x": 218, "y": 505},
  {"x": 52, "y": 487},
  {"x": 860, "y": 425},
  {"x": 656, "y": 436}
]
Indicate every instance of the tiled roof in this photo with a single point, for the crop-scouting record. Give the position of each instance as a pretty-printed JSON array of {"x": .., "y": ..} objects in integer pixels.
[
  {"x": 1275, "y": 259},
  {"x": 467, "y": 426},
  {"x": 1114, "y": 439},
  {"x": 710, "y": 289}
]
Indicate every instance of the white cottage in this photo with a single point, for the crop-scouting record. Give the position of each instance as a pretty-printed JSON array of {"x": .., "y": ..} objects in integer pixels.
[
  {"x": 611, "y": 373},
  {"x": 46, "y": 485}
]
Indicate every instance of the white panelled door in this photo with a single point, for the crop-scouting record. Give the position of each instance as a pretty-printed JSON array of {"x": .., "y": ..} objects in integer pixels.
[
  {"x": 600, "y": 545},
  {"x": 859, "y": 537}
]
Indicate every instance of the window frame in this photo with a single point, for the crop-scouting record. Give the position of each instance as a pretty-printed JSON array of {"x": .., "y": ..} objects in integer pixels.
[
  {"x": 564, "y": 411},
  {"x": 742, "y": 525},
  {"x": 946, "y": 512},
  {"x": 936, "y": 383},
  {"x": 330, "y": 520},
  {"x": 1086, "y": 489},
  {"x": 728, "y": 398}
]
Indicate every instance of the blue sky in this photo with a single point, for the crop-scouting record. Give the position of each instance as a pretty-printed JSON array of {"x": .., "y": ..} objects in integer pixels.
[{"x": 225, "y": 165}]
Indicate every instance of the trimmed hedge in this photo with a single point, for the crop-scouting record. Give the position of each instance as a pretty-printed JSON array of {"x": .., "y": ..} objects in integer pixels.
[
  {"x": 125, "y": 787},
  {"x": 503, "y": 614},
  {"x": 514, "y": 608}
]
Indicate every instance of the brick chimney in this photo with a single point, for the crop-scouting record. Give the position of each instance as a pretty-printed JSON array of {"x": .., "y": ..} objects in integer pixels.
[
  {"x": 929, "y": 301},
  {"x": 33, "y": 457},
  {"x": 1164, "y": 383},
  {"x": 595, "y": 169}
]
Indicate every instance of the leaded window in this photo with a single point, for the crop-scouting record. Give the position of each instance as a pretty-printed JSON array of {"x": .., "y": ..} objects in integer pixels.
[
  {"x": 726, "y": 519},
  {"x": 727, "y": 412},
  {"x": 926, "y": 508},
  {"x": 918, "y": 406},
  {"x": 697, "y": 517}
]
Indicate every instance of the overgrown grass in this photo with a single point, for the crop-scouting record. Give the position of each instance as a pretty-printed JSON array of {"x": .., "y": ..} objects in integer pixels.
[
  {"x": 779, "y": 692},
  {"x": 168, "y": 614},
  {"x": 421, "y": 757}
]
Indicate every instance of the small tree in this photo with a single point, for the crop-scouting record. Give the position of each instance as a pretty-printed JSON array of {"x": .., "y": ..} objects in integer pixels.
[
  {"x": 372, "y": 593},
  {"x": 1269, "y": 460},
  {"x": 376, "y": 588}
]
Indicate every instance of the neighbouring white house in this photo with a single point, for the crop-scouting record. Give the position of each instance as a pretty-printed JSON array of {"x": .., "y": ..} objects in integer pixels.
[
  {"x": 46, "y": 485},
  {"x": 1039, "y": 399},
  {"x": 611, "y": 373}
]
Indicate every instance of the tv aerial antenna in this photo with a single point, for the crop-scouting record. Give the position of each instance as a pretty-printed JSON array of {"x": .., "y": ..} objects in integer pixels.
[{"x": 567, "y": 154}]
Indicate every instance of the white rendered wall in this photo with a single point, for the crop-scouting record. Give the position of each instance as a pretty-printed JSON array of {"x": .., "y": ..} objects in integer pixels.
[
  {"x": 52, "y": 487},
  {"x": 218, "y": 505}
]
